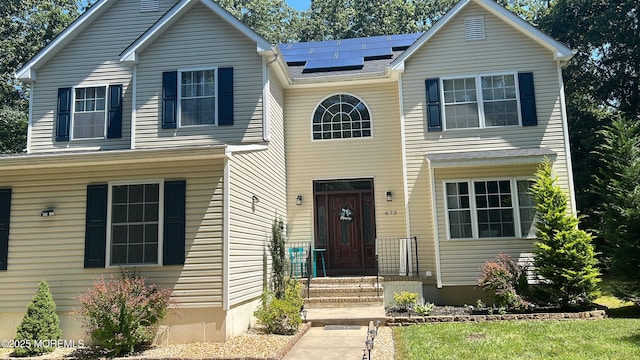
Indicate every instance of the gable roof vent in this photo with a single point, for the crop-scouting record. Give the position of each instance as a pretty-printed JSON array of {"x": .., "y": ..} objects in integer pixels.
[
  {"x": 474, "y": 28},
  {"x": 149, "y": 5}
]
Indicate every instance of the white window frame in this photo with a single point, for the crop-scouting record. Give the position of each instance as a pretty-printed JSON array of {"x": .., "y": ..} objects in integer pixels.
[
  {"x": 515, "y": 204},
  {"x": 342, "y": 139},
  {"x": 73, "y": 111},
  {"x": 480, "y": 100},
  {"x": 179, "y": 93},
  {"x": 160, "y": 183}
]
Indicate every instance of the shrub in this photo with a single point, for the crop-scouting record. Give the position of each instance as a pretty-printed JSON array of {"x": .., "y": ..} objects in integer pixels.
[
  {"x": 39, "y": 323},
  {"x": 425, "y": 309},
  {"x": 504, "y": 278},
  {"x": 405, "y": 300},
  {"x": 277, "y": 248},
  {"x": 564, "y": 255},
  {"x": 281, "y": 315},
  {"x": 119, "y": 314}
]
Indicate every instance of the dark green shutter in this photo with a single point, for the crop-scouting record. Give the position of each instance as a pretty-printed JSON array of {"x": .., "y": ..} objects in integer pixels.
[
  {"x": 95, "y": 240},
  {"x": 434, "y": 112},
  {"x": 63, "y": 115},
  {"x": 174, "y": 222},
  {"x": 114, "y": 129},
  {"x": 225, "y": 96},
  {"x": 5, "y": 215},
  {"x": 527, "y": 99},
  {"x": 169, "y": 99}
]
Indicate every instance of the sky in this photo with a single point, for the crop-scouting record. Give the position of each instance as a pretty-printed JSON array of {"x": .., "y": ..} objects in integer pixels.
[{"x": 299, "y": 4}]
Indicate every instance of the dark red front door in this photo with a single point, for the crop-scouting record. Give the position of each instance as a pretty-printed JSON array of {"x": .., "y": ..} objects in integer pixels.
[{"x": 345, "y": 226}]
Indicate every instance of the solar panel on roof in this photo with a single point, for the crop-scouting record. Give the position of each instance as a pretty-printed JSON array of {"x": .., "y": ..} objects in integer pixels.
[
  {"x": 369, "y": 53},
  {"x": 334, "y": 64}
]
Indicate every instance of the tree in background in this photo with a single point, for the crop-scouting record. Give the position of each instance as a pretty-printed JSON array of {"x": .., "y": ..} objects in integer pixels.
[
  {"x": 619, "y": 181},
  {"x": 563, "y": 254},
  {"x": 26, "y": 26},
  {"x": 602, "y": 78},
  {"x": 272, "y": 19}
]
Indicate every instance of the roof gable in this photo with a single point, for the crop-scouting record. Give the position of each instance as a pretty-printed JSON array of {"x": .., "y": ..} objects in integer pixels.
[
  {"x": 130, "y": 53},
  {"x": 560, "y": 51},
  {"x": 27, "y": 72}
]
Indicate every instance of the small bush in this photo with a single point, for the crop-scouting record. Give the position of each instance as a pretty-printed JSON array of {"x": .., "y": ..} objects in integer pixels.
[
  {"x": 424, "y": 310},
  {"x": 39, "y": 323},
  {"x": 504, "y": 277},
  {"x": 281, "y": 316},
  {"x": 119, "y": 314},
  {"x": 405, "y": 300}
]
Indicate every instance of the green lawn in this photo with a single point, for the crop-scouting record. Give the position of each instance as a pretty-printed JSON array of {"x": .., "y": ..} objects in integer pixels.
[{"x": 579, "y": 339}]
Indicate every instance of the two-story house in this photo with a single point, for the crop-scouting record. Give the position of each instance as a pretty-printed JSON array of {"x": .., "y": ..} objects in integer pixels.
[{"x": 165, "y": 136}]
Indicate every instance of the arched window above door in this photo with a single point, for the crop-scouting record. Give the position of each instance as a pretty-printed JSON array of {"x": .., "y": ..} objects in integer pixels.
[{"x": 341, "y": 116}]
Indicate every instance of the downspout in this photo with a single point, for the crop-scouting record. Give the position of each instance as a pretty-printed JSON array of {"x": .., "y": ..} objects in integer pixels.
[
  {"x": 134, "y": 100},
  {"x": 403, "y": 145},
  {"x": 30, "y": 119}
]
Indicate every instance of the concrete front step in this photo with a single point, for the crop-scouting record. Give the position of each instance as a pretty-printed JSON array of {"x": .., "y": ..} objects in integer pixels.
[
  {"x": 344, "y": 291},
  {"x": 345, "y": 301},
  {"x": 346, "y": 315},
  {"x": 344, "y": 280}
]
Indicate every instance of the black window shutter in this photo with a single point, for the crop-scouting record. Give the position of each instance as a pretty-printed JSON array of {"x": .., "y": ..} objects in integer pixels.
[
  {"x": 527, "y": 99},
  {"x": 114, "y": 129},
  {"x": 174, "y": 222},
  {"x": 434, "y": 112},
  {"x": 169, "y": 99},
  {"x": 225, "y": 96},
  {"x": 95, "y": 240},
  {"x": 5, "y": 210},
  {"x": 63, "y": 116}
]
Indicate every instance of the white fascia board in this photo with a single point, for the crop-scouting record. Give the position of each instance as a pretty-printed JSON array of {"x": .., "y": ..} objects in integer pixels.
[
  {"x": 231, "y": 149},
  {"x": 129, "y": 54},
  {"x": 27, "y": 72}
]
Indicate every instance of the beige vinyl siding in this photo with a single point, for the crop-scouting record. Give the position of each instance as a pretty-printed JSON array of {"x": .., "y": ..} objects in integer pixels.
[
  {"x": 378, "y": 157},
  {"x": 200, "y": 38},
  {"x": 460, "y": 260},
  {"x": 449, "y": 54},
  {"x": 53, "y": 248},
  {"x": 91, "y": 59},
  {"x": 261, "y": 174}
]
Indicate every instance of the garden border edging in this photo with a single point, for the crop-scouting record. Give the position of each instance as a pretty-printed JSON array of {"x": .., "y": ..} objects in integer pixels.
[{"x": 413, "y": 320}]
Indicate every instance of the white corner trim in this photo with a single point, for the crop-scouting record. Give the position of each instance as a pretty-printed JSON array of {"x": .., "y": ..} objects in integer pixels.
[
  {"x": 226, "y": 233},
  {"x": 403, "y": 148},
  {"x": 134, "y": 100},
  {"x": 436, "y": 236},
  {"x": 567, "y": 145},
  {"x": 30, "y": 121},
  {"x": 27, "y": 73}
]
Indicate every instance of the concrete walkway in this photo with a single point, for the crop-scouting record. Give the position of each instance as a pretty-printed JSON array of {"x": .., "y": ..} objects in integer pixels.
[{"x": 330, "y": 343}]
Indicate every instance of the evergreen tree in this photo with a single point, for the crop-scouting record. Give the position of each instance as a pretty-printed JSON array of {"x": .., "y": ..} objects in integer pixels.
[
  {"x": 277, "y": 248},
  {"x": 40, "y": 323},
  {"x": 619, "y": 186},
  {"x": 564, "y": 255}
]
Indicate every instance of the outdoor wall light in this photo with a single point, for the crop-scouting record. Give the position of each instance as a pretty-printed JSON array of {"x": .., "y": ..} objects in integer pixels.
[
  {"x": 299, "y": 200},
  {"x": 46, "y": 213},
  {"x": 304, "y": 315},
  {"x": 255, "y": 199},
  {"x": 389, "y": 196}
]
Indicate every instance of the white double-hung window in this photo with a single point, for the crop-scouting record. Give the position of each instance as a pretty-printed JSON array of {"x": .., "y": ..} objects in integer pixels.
[
  {"x": 500, "y": 208},
  {"x": 197, "y": 94},
  {"x": 480, "y": 101},
  {"x": 89, "y": 112}
]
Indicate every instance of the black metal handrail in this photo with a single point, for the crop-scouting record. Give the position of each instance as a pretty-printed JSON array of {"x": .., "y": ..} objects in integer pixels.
[{"x": 397, "y": 257}]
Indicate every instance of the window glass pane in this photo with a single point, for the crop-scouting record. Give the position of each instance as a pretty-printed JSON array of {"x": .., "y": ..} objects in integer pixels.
[
  {"x": 135, "y": 210},
  {"x": 495, "y": 209},
  {"x": 89, "y": 116},
  {"x": 500, "y": 103},
  {"x": 197, "y": 97},
  {"x": 462, "y": 116},
  {"x": 527, "y": 210},
  {"x": 458, "y": 210},
  {"x": 349, "y": 117}
]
